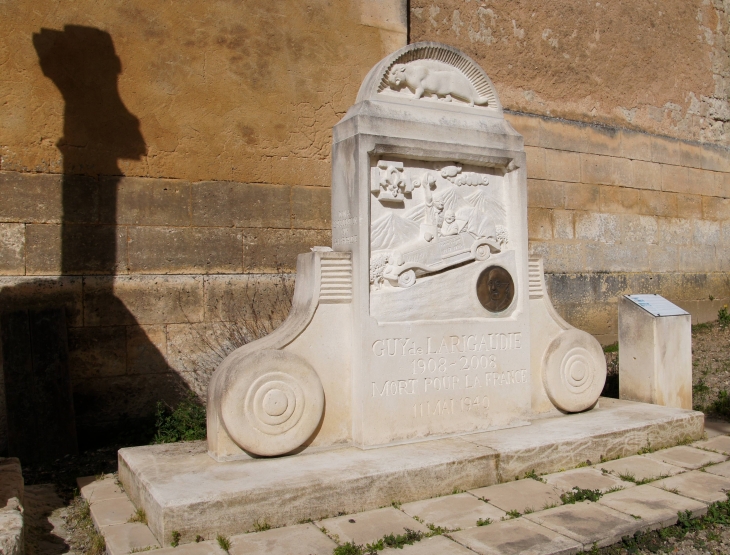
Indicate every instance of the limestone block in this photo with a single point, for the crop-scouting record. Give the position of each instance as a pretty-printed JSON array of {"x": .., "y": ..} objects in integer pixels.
[
  {"x": 562, "y": 166},
  {"x": 582, "y": 196},
  {"x": 722, "y": 469},
  {"x": 618, "y": 200},
  {"x": 658, "y": 203},
  {"x": 702, "y": 182},
  {"x": 97, "y": 352},
  {"x": 144, "y": 300},
  {"x": 95, "y": 491},
  {"x": 675, "y": 231},
  {"x": 563, "y": 224},
  {"x": 275, "y": 251},
  {"x": 602, "y": 140},
  {"x": 168, "y": 250},
  {"x": 12, "y": 534},
  {"x": 255, "y": 299},
  {"x": 11, "y": 481},
  {"x": 706, "y": 232},
  {"x": 702, "y": 486},
  {"x": 597, "y": 227},
  {"x": 48, "y": 198},
  {"x": 75, "y": 249},
  {"x": 12, "y": 249},
  {"x": 157, "y": 202},
  {"x": 640, "y": 468},
  {"x": 714, "y": 208},
  {"x": 527, "y": 125},
  {"x": 655, "y": 360},
  {"x": 522, "y": 496},
  {"x": 646, "y": 175},
  {"x": 639, "y": 229},
  {"x": 111, "y": 511},
  {"x": 687, "y": 457},
  {"x": 676, "y": 179},
  {"x": 559, "y": 135},
  {"x": 635, "y": 146},
  {"x": 720, "y": 444},
  {"x": 545, "y": 194},
  {"x": 597, "y": 169},
  {"x": 146, "y": 349},
  {"x": 665, "y": 150},
  {"x": 462, "y": 511},
  {"x": 304, "y": 539},
  {"x": 655, "y": 507},
  {"x": 216, "y": 203},
  {"x": 20, "y": 293},
  {"x": 310, "y": 208},
  {"x": 123, "y": 538},
  {"x": 587, "y": 523},
  {"x": 370, "y": 526},
  {"x": 536, "y": 163},
  {"x": 539, "y": 224},
  {"x": 515, "y": 537},
  {"x": 585, "y": 478}
]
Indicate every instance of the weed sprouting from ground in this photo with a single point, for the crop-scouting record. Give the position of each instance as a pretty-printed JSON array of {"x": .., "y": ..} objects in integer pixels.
[
  {"x": 175, "y": 535},
  {"x": 484, "y": 521},
  {"x": 84, "y": 538},
  {"x": 579, "y": 494},
  {"x": 139, "y": 516},
  {"x": 723, "y": 318},
  {"x": 223, "y": 542},
  {"x": 186, "y": 422}
]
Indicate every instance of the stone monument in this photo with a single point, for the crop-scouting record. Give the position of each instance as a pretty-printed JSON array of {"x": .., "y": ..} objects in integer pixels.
[{"x": 426, "y": 318}]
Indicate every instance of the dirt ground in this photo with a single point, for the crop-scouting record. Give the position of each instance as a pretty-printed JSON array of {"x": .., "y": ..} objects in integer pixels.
[{"x": 50, "y": 489}]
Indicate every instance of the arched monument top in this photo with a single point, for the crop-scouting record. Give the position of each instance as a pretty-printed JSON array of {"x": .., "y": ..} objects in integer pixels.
[{"x": 431, "y": 71}]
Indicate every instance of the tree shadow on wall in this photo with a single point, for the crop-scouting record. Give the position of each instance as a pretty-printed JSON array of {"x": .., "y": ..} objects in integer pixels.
[{"x": 98, "y": 132}]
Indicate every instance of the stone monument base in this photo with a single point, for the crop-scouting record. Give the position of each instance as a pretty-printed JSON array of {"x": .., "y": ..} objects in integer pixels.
[{"x": 181, "y": 488}]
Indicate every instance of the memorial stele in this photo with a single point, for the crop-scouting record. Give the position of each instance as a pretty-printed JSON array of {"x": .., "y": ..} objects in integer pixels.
[{"x": 426, "y": 318}]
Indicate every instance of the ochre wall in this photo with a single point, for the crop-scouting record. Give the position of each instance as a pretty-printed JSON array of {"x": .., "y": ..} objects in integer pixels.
[{"x": 662, "y": 67}]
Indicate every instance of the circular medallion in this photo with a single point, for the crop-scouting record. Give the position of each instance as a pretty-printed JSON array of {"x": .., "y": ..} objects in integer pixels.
[
  {"x": 495, "y": 289},
  {"x": 574, "y": 371},
  {"x": 273, "y": 403}
]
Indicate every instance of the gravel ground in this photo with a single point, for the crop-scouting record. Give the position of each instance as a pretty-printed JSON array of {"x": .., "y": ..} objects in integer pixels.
[{"x": 711, "y": 366}]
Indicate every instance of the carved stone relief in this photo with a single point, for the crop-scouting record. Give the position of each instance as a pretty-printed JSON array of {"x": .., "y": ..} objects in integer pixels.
[
  {"x": 433, "y": 79},
  {"x": 430, "y": 218}
]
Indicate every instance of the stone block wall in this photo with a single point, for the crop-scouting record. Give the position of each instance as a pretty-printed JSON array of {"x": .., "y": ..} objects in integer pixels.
[{"x": 615, "y": 211}]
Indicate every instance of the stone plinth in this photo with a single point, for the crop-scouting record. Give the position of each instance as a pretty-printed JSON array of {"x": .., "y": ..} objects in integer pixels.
[
  {"x": 655, "y": 355},
  {"x": 181, "y": 488}
]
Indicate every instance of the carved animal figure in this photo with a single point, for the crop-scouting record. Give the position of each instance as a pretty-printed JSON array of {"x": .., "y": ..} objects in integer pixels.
[{"x": 443, "y": 83}]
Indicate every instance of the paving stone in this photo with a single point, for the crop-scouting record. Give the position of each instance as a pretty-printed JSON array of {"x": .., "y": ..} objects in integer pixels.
[
  {"x": 687, "y": 457},
  {"x": 585, "y": 478},
  {"x": 520, "y": 496},
  {"x": 721, "y": 444},
  {"x": 122, "y": 538},
  {"x": 112, "y": 511},
  {"x": 199, "y": 548},
  {"x": 303, "y": 539},
  {"x": 722, "y": 469},
  {"x": 587, "y": 523},
  {"x": 656, "y": 507},
  {"x": 516, "y": 537},
  {"x": 716, "y": 427},
  {"x": 453, "y": 511},
  {"x": 94, "y": 490},
  {"x": 702, "y": 486},
  {"x": 641, "y": 468},
  {"x": 438, "y": 545},
  {"x": 367, "y": 527}
]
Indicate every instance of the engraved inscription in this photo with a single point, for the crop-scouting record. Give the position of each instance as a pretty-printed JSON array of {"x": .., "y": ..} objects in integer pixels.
[
  {"x": 463, "y": 368},
  {"x": 344, "y": 229}
]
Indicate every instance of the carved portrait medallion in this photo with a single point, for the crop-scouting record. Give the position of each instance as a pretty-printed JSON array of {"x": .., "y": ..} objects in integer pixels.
[{"x": 495, "y": 289}]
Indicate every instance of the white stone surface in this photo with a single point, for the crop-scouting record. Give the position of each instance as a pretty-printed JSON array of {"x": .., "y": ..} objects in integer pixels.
[{"x": 655, "y": 358}]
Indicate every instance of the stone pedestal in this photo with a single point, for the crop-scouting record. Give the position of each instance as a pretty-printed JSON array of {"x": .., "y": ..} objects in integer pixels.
[
  {"x": 655, "y": 351},
  {"x": 425, "y": 319}
]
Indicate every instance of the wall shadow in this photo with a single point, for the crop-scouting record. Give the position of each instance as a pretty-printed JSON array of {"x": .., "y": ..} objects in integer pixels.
[{"x": 98, "y": 132}]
